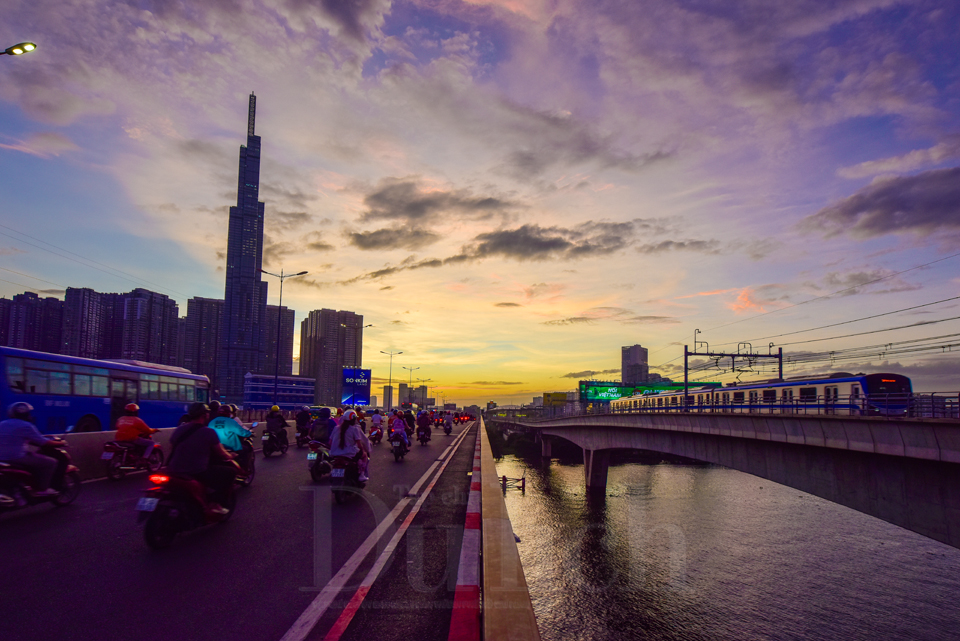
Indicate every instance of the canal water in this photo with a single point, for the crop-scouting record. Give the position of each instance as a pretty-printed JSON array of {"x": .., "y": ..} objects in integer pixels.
[{"x": 692, "y": 552}]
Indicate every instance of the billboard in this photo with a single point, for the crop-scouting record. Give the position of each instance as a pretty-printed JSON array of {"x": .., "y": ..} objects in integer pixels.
[
  {"x": 554, "y": 399},
  {"x": 605, "y": 391},
  {"x": 356, "y": 386}
]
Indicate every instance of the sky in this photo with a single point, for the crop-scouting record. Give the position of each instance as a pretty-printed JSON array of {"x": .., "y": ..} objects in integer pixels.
[{"x": 510, "y": 191}]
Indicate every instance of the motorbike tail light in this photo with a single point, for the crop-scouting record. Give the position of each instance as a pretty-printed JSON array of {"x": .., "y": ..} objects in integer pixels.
[
  {"x": 110, "y": 447},
  {"x": 159, "y": 478}
]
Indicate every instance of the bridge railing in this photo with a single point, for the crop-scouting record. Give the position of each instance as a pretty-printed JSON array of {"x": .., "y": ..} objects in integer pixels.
[{"x": 892, "y": 406}]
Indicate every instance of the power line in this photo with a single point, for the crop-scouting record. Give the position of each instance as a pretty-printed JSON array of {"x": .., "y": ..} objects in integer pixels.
[
  {"x": 876, "y": 331},
  {"x": 29, "y": 276}
]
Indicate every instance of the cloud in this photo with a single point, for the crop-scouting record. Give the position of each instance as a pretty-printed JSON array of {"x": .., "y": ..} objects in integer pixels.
[
  {"x": 405, "y": 201},
  {"x": 700, "y": 246},
  {"x": 496, "y": 383},
  {"x": 911, "y": 161},
  {"x": 618, "y": 314},
  {"x": 507, "y": 305},
  {"x": 853, "y": 283},
  {"x": 589, "y": 373},
  {"x": 11, "y": 251},
  {"x": 411, "y": 238},
  {"x": 538, "y": 290},
  {"x": 43, "y": 145},
  {"x": 923, "y": 204}
]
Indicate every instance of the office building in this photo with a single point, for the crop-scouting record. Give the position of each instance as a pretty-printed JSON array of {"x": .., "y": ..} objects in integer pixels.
[
  {"x": 633, "y": 365},
  {"x": 245, "y": 294},
  {"x": 286, "y": 319},
  {"x": 388, "y": 397},
  {"x": 330, "y": 340}
]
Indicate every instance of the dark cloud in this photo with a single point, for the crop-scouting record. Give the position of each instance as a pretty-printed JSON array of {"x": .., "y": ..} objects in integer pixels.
[
  {"x": 293, "y": 198},
  {"x": 403, "y": 200},
  {"x": 700, "y": 246},
  {"x": 922, "y": 204},
  {"x": 385, "y": 288},
  {"x": 412, "y": 238},
  {"x": 508, "y": 305},
  {"x": 589, "y": 373},
  {"x": 354, "y": 16},
  {"x": 853, "y": 283},
  {"x": 289, "y": 220}
]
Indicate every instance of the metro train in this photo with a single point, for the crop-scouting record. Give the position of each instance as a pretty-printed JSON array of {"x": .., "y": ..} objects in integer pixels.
[{"x": 839, "y": 393}]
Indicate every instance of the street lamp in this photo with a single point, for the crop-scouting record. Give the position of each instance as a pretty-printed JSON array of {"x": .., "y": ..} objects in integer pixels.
[
  {"x": 276, "y": 369},
  {"x": 19, "y": 49},
  {"x": 390, "y": 384},
  {"x": 410, "y": 381}
]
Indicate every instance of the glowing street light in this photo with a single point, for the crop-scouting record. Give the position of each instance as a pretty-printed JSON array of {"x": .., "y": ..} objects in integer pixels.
[{"x": 20, "y": 49}]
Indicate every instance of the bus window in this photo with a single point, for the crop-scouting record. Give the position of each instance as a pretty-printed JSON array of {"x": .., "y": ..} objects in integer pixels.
[
  {"x": 201, "y": 395},
  {"x": 116, "y": 388},
  {"x": 99, "y": 386},
  {"x": 36, "y": 381},
  {"x": 186, "y": 393},
  {"x": 15, "y": 376},
  {"x": 60, "y": 383},
  {"x": 81, "y": 385}
]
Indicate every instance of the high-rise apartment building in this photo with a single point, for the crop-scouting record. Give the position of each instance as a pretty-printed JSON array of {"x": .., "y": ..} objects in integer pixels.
[
  {"x": 201, "y": 338},
  {"x": 83, "y": 323},
  {"x": 387, "y": 397},
  {"x": 35, "y": 323},
  {"x": 245, "y": 294},
  {"x": 286, "y": 319},
  {"x": 150, "y": 327},
  {"x": 633, "y": 365},
  {"x": 403, "y": 394},
  {"x": 329, "y": 341}
]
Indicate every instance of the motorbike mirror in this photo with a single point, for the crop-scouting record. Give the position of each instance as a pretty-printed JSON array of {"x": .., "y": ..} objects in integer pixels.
[{"x": 255, "y": 423}]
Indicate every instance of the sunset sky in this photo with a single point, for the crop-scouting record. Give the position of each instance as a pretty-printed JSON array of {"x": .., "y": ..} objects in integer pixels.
[{"x": 509, "y": 190}]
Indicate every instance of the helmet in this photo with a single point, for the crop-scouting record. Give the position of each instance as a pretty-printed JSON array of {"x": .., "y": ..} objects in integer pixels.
[
  {"x": 349, "y": 415},
  {"x": 274, "y": 409},
  {"x": 234, "y": 409},
  {"x": 225, "y": 411},
  {"x": 324, "y": 412},
  {"x": 132, "y": 407},
  {"x": 214, "y": 406},
  {"x": 197, "y": 410},
  {"x": 306, "y": 408},
  {"x": 20, "y": 409}
]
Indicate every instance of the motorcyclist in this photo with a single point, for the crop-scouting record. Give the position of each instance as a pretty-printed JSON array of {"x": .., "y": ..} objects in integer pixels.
[
  {"x": 447, "y": 422},
  {"x": 198, "y": 454},
  {"x": 423, "y": 423},
  {"x": 131, "y": 428},
  {"x": 231, "y": 434},
  {"x": 277, "y": 424},
  {"x": 18, "y": 431},
  {"x": 303, "y": 420},
  {"x": 322, "y": 426},
  {"x": 411, "y": 421},
  {"x": 349, "y": 441},
  {"x": 214, "y": 410},
  {"x": 399, "y": 427}
]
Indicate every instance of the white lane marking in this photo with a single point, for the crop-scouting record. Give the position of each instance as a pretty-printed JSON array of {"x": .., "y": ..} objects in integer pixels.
[{"x": 318, "y": 607}]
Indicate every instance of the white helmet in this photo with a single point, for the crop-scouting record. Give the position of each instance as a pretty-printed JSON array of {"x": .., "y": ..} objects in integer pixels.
[{"x": 19, "y": 409}]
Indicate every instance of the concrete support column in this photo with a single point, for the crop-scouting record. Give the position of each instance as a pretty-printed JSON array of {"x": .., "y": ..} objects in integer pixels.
[
  {"x": 546, "y": 447},
  {"x": 595, "y": 464}
]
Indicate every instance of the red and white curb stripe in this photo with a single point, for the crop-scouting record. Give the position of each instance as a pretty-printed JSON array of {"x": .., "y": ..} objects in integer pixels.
[{"x": 465, "y": 622}]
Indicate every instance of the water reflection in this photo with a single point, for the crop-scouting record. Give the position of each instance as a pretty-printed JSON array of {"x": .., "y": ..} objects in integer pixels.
[{"x": 703, "y": 552}]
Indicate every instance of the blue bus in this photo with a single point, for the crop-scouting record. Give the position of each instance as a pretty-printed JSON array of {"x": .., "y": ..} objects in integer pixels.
[{"x": 71, "y": 394}]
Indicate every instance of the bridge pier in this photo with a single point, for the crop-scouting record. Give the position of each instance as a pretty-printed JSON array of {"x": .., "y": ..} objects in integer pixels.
[
  {"x": 595, "y": 465},
  {"x": 546, "y": 447}
]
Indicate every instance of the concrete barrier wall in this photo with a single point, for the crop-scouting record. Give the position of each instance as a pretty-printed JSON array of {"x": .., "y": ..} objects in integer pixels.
[
  {"x": 507, "y": 609},
  {"x": 85, "y": 449}
]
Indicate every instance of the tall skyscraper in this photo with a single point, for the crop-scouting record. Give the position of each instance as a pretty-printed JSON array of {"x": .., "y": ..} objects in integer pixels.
[
  {"x": 150, "y": 327},
  {"x": 633, "y": 365},
  {"x": 329, "y": 341},
  {"x": 245, "y": 295},
  {"x": 35, "y": 323},
  {"x": 83, "y": 323},
  {"x": 403, "y": 393},
  {"x": 387, "y": 397}
]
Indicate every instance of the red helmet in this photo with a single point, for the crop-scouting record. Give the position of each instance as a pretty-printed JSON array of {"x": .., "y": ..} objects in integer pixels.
[{"x": 132, "y": 407}]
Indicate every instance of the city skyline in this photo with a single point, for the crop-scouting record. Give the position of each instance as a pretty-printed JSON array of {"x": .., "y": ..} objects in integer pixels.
[{"x": 509, "y": 192}]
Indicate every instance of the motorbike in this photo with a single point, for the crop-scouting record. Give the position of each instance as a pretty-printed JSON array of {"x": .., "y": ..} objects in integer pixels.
[
  {"x": 344, "y": 473},
  {"x": 303, "y": 436},
  {"x": 16, "y": 483},
  {"x": 447, "y": 428},
  {"x": 376, "y": 435},
  {"x": 318, "y": 460},
  {"x": 247, "y": 461},
  {"x": 127, "y": 456},
  {"x": 422, "y": 436},
  {"x": 399, "y": 447},
  {"x": 274, "y": 442},
  {"x": 174, "y": 506}
]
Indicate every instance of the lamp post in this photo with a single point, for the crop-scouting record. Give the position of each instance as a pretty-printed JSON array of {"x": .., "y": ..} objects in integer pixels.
[
  {"x": 390, "y": 384},
  {"x": 410, "y": 381},
  {"x": 276, "y": 355},
  {"x": 19, "y": 49}
]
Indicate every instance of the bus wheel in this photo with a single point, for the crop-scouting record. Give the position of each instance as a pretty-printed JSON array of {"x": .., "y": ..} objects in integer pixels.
[{"x": 88, "y": 423}]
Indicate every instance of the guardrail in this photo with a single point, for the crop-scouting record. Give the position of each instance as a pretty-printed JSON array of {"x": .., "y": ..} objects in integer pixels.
[{"x": 945, "y": 405}]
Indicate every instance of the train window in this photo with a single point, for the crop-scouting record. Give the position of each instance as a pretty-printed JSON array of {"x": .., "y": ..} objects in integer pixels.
[
  {"x": 831, "y": 392},
  {"x": 769, "y": 396},
  {"x": 808, "y": 394},
  {"x": 753, "y": 396},
  {"x": 738, "y": 397},
  {"x": 787, "y": 395},
  {"x": 855, "y": 391}
]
